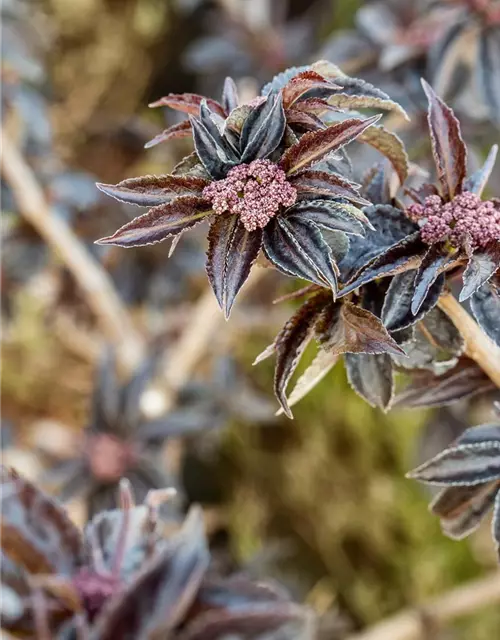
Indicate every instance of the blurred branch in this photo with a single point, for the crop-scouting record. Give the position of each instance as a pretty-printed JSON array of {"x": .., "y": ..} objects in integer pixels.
[
  {"x": 199, "y": 333},
  {"x": 413, "y": 624},
  {"x": 92, "y": 279},
  {"x": 477, "y": 344}
]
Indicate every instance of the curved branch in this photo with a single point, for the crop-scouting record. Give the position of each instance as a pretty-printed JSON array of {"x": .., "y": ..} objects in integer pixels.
[
  {"x": 94, "y": 282},
  {"x": 478, "y": 345},
  {"x": 412, "y": 624}
]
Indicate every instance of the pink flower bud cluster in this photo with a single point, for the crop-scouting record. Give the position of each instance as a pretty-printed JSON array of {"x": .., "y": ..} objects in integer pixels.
[
  {"x": 465, "y": 218},
  {"x": 254, "y": 191}
]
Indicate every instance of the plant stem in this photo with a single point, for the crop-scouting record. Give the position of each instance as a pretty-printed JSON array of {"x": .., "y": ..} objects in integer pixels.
[
  {"x": 94, "y": 282},
  {"x": 477, "y": 344},
  {"x": 413, "y": 624}
]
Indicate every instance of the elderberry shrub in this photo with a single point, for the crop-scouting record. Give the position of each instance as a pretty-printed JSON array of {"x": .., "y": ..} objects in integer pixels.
[{"x": 123, "y": 577}]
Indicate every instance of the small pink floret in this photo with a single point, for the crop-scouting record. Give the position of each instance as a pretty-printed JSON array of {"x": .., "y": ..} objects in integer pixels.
[
  {"x": 465, "y": 218},
  {"x": 254, "y": 191}
]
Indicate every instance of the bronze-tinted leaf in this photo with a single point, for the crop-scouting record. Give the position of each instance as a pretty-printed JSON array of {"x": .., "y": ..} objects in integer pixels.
[
  {"x": 157, "y": 600},
  {"x": 179, "y": 130},
  {"x": 187, "y": 103},
  {"x": 448, "y": 148},
  {"x": 433, "y": 263},
  {"x": 315, "y": 372},
  {"x": 303, "y": 121},
  {"x": 161, "y": 222},
  {"x": 483, "y": 263},
  {"x": 359, "y": 94},
  {"x": 406, "y": 254},
  {"x": 371, "y": 377},
  {"x": 263, "y": 129},
  {"x": 290, "y": 344},
  {"x": 390, "y": 146},
  {"x": 314, "y": 146},
  {"x": 353, "y": 329},
  {"x": 464, "y": 381},
  {"x": 334, "y": 216},
  {"x": 36, "y": 532},
  {"x": 306, "y": 83},
  {"x": 485, "y": 305},
  {"x": 231, "y": 252},
  {"x": 229, "y": 95},
  {"x": 215, "y": 153},
  {"x": 477, "y": 181},
  {"x": 328, "y": 184},
  {"x": 150, "y": 191},
  {"x": 298, "y": 249}
]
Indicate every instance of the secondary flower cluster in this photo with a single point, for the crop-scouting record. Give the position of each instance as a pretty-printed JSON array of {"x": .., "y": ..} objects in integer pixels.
[
  {"x": 255, "y": 192},
  {"x": 466, "y": 216}
]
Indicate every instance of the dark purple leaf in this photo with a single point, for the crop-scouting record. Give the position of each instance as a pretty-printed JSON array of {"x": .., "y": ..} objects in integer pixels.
[
  {"x": 157, "y": 600},
  {"x": 330, "y": 215},
  {"x": 371, "y": 377},
  {"x": 179, "y": 130},
  {"x": 448, "y": 148},
  {"x": 390, "y": 226},
  {"x": 283, "y": 621},
  {"x": 464, "y": 381},
  {"x": 263, "y": 129},
  {"x": 477, "y": 181},
  {"x": 489, "y": 70},
  {"x": 376, "y": 185},
  {"x": 442, "y": 332},
  {"x": 321, "y": 183},
  {"x": 483, "y": 263},
  {"x": 187, "y": 103},
  {"x": 298, "y": 249},
  {"x": 231, "y": 252},
  {"x": 290, "y": 344},
  {"x": 485, "y": 305},
  {"x": 150, "y": 191},
  {"x": 461, "y": 509},
  {"x": 36, "y": 532},
  {"x": 470, "y": 465},
  {"x": 229, "y": 95},
  {"x": 215, "y": 154},
  {"x": 314, "y": 146},
  {"x": 396, "y": 312},
  {"x": 406, "y": 254},
  {"x": 214, "y": 124},
  {"x": 161, "y": 222},
  {"x": 433, "y": 263}
]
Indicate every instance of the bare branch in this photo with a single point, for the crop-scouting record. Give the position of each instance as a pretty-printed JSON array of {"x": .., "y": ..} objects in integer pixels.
[
  {"x": 411, "y": 624},
  {"x": 97, "y": 287}
]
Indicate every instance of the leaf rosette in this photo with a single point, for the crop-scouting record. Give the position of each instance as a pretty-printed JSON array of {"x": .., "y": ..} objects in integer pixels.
[{"x": 269, "y": 177}]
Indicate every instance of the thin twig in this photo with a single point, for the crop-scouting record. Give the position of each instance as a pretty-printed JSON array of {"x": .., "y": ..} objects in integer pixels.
[
  {"x": 99, "y": 291},
  {"x": 477, "y": 344},
  {"x": 411, "y": 624}
]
